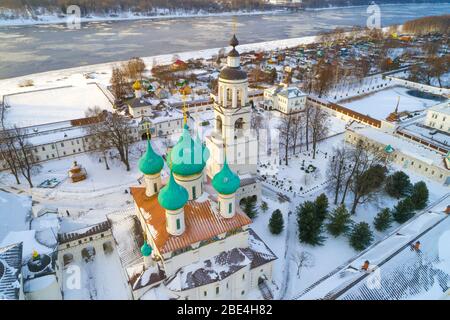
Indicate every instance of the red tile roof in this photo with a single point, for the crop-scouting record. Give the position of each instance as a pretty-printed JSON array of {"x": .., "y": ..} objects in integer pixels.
[{"x": 202, "y": 223}]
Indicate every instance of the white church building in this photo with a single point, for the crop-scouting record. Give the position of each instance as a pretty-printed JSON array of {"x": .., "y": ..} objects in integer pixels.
[{"x": 199, "y": 244}]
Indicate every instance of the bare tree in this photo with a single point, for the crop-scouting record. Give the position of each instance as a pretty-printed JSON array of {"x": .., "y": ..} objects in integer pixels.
[
  {"x": 21, "y": 151},
  {"x": 336, "y": 170},
  {"x": 112, "y": 131},
  {"x": 302, "y": 260},
  {"x": 296, "y": 131},
  {"x": 8, "y": 154},
  {"x": 285, "y": 133},
  {"x": 319, "y": 123},
  {"x": 97, "y": 142},
  {"x": 134, "y": 68},
  {"x": 119, "y": 83}
]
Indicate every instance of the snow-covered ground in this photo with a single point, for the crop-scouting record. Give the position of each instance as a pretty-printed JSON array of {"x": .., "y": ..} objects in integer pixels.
[
  {"x": 53, "y": 105},
  {"x": 335, "y": 251},
  {"x": 380, "y": 104},
  {"x": 15, "y": 212},
  {"x": 101, "y": 278}
]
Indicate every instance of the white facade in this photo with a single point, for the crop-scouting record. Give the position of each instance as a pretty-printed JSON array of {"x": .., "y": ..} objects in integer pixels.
[
  {"x": 193, "y": 184},
  {"x": 438, "y": 117},
  {"x": 153, "y": 184},
  {"x": 286, "y": 100},
  {"x": 407, "y": 154}
]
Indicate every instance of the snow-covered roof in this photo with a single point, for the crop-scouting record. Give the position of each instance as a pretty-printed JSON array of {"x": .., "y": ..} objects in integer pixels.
[
  {"x": 222, "y": 265},
  {"x": 84, "y": 232},
  {"x": 30, "y": 244},
  {"x": 292, "y": 93},
  {"x": 10, "y": 271},
  {"x": 202, "y": 222},
  {"x": 208, "y": 271},
  {"x": 396, "y": 271},
  {"x": 442, "y": 108},
  {"x": 404, "y": 146},
  {"x": 410, "y": 274},
  {"x": 14, "y": 213}
]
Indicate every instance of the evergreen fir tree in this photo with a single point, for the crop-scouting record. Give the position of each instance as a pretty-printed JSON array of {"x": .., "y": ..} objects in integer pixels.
[
  {"x": 309, "y": 224},
  {"x": 361, "y": 236},
  {"x": 383, "y": 220},
  {"x": 404, "y": 210},
  {"x": 419, "y": 195},
  {"x": 321, "y": 205},
  {"x": 276, "y": 223},
  {"x": 250, "y": 208},
  {"x": 340, "y": 221},
  {"x": 398, "y": 185},
  {"x": 264, "y": 206}
]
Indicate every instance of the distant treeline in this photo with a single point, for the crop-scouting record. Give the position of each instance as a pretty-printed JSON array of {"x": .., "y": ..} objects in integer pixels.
[
  {"x": 439, "y": 24},
  {"x": 147, "y": 6},
  {"x": 344, "y": 3}
]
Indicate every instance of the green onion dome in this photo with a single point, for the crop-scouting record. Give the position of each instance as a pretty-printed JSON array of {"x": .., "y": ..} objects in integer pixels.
[
  {"x": 173, "y": 196},
  {"x": 187, "y": 156},
  {"x": 146, "y": 250},
  {"x": 226, "y": 181},
  {"x": 151, "y": 162}
]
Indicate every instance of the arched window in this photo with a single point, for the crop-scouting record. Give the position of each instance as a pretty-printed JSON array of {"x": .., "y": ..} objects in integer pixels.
[{"x": 239, "y": 124}]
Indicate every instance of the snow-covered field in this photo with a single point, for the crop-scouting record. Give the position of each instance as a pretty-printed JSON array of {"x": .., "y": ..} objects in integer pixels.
[
  {"x": 380, "y": 104},
  {"x": 53, "y": 105}
]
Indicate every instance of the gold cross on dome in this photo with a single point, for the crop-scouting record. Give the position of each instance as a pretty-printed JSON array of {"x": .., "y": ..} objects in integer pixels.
[
  {"x": 235, "y": 22},
  {"x": 184, "y": 108}
]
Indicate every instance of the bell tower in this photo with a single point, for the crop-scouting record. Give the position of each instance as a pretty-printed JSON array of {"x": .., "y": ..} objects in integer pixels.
[{"x": 232, "y": 114}]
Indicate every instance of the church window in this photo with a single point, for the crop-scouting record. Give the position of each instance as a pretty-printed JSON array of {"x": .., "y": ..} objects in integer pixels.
[
  {"x": 155, "y": 187},
  {"x": 178, "y": 224},
  {"x": 230, "y": 208},
  {"x": 243, "y": 276},
  {"x": 62, "y": 144},
  {"x": 217, "y": 290},
  {"x": 194, "y": 193},
  {"x": 205, "y": 293}
]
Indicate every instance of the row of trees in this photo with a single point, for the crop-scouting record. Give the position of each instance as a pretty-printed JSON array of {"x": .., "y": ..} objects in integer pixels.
[
  {"x": 314, "y": 217},
  {"x": 306, "y": 128},
  {"x": 16, "y": 152},
  {"x": 411, "y": 198},
  {"x": 434, "y": 24}
]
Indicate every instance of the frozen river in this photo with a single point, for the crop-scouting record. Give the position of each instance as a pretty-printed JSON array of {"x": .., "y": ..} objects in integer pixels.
[{"x": 32, "y": 49}]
